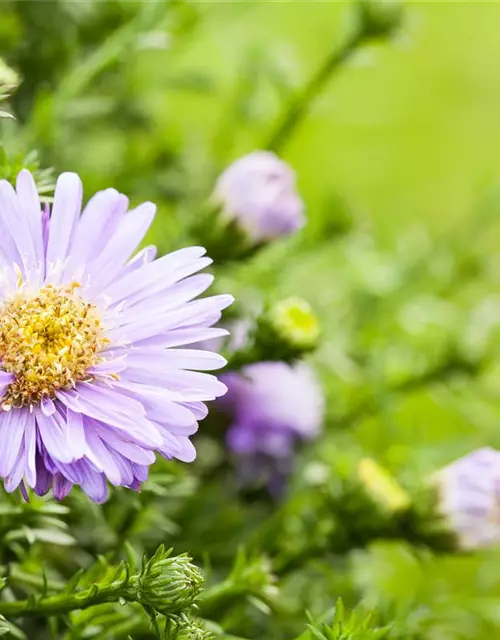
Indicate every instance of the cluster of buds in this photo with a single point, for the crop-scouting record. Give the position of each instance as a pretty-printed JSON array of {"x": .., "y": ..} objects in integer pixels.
[{"x": 273, "y": 399}]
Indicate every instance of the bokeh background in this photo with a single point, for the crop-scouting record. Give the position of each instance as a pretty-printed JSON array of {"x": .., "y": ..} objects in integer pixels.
[
  {"x": 405, "y": 132},
  {"x": 397, "y": 160}
]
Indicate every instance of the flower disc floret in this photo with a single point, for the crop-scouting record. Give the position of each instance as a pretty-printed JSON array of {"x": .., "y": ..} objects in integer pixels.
[{"x": 48, "y": 340}]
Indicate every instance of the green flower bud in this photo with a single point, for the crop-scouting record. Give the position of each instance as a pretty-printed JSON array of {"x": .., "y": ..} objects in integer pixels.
[
  {"x": 294, "y": 319},
  {"x": 382, "y": 488},
  {"x": 287, "y": 329},
  {"x": 194, "y": 630},
  {"x": 381, "y": 17},
  {"x": 169, "y": 584}
]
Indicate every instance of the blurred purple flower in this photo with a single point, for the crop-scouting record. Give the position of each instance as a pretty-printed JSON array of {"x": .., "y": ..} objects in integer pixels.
[
  {"x": 258, "y": 192},
  {"x": 469, "y": 498},
  {"x": 272, "y": 406},
  {"x": 90, "y": 384}
]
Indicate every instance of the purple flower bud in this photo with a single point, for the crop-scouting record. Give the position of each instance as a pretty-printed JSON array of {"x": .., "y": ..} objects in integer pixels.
[
  {"x": 469, "y": 498},
  {"x": 258, "y": 192},
  {"x": 272, "y": 406}
]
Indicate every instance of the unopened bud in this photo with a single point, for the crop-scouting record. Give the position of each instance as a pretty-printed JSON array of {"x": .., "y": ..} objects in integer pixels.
[
  {"x": 381, "y": 17},
  {"x": 382, "y": 487},
  {"x": 468, "y": 493},
  {"x": 255, "y": 202},
  {"x": 287, "y": 330},
  {"x": 169, "y": 584}
]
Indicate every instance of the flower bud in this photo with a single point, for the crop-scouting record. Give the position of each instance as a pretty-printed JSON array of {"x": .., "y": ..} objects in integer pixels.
[
  {"x": 468, "y": 493},
  {"x": 287, "y": 330},
  {"x": 382, "y": 488},
  {"x": 381, "y": 17},
  {"x": 169, "y": 584},
  {"x": 257, "y": 203}
]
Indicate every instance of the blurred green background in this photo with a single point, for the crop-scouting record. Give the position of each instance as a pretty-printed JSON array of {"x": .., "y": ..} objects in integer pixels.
[{"x": 406, "y": 131}]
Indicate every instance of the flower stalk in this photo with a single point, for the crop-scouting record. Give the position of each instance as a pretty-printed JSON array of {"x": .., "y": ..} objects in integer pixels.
[
  {"x": 64, "y": 603},
  {"x": 368, "y": 26},
  {"x": 299, "y": 106}
]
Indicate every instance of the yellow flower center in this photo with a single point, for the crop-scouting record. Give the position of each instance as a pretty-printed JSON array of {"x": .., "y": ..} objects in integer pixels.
[{"x": 47, "y": 341}]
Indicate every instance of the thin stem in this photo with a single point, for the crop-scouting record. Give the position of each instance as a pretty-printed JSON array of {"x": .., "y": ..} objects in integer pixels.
[
  {"x": 300, "y": 105},
  {"x": 63, "y": 603}
]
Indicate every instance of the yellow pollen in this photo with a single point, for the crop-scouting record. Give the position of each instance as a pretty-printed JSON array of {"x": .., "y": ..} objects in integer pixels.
[{"x": 48, "y": 341}]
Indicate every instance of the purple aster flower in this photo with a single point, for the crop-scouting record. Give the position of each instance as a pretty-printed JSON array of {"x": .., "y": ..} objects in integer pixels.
[
  {"x": 258, "y": 192},
  {"x": 93, "y": 376},
  {"x": 469, "y": 498},
  {"x": 272, "y": 406}
]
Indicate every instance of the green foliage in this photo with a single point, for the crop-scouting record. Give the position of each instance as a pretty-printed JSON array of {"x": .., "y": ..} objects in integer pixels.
[
  {"x": 348, "y": 627},
  {"x": 155, "y": 99},
  {"x": 11, "y": 164}
]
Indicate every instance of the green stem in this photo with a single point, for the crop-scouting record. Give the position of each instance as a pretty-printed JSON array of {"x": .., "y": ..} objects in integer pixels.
[
  {"x": 63, "y": 603},
  {"x": 300, "y": 105}
]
